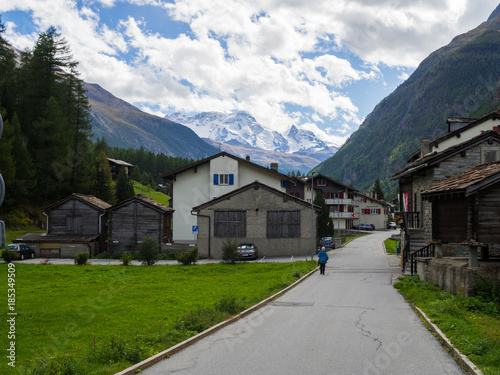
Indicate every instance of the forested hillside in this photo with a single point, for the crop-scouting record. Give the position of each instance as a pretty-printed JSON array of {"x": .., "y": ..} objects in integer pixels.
[
  {"x": 46, "y": 151},
  {"x": 453, "y": 81}
]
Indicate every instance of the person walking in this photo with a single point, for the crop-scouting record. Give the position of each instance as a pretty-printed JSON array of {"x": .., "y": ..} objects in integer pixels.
[{"x": 323, "y": 258}]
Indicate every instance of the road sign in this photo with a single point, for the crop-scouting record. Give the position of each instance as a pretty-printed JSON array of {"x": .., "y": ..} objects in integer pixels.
[{"x": 195, "y": 229}]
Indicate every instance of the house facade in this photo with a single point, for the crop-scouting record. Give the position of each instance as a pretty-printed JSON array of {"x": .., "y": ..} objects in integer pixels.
[
  {"x": 277, "y": 223},
  {"x": 131, "y": 221},
  {"x": 466, "y": 210},
  {"x": 210, "y": 178},
  {"x": 74, "y": 224},
  {"x": 436, "y": 167},
  {"x": 348, "y": 207}
]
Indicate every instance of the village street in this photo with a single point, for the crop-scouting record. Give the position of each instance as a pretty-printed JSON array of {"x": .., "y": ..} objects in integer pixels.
[{"x": 349, "y": 321}]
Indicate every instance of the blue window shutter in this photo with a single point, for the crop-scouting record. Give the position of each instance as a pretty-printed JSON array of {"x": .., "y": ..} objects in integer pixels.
[
  {"x": 283, "y": 183},
  {"x": 231, "y": 179},
  {"x": 216, "y": 179}
]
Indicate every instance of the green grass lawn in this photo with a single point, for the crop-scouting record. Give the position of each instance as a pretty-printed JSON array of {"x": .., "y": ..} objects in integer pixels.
[
  {"x": 102, "y": 319},
  {"x": 156, "y": 195},
  {"x": 390, "y": 246},
  {"x": 471, "y": 324}
]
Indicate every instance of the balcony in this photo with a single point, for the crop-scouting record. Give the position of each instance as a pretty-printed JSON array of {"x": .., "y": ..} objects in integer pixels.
[
  {"x": 344, "y": 215},
  {"x": 331, "y": 202}
]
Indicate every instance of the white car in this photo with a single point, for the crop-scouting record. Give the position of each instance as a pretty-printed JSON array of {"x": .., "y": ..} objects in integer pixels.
[{"x": 392, "y": 225}]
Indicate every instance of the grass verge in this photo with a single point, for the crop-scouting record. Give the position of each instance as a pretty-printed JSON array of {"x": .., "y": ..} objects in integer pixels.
[
  {"x": 158, "y": 196},
  {"x": 102, "y": 319},
  {"x": 390, "y": 246},
  {"x": 471, "y": 324}
]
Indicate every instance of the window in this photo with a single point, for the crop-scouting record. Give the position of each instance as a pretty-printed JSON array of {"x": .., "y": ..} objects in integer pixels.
[
  {"x": 73, "y": 224},
  {"x": 224, "y": 179},
  {"x": 490, "y": 156},
  {"x": 283, "y": 224},
  {"x": 230, "y": 223},
  {"x": 321, "y": 182}
]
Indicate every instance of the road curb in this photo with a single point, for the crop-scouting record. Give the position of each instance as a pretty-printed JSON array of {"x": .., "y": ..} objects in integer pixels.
[
  {"x": 182, "y": 345},
  {"x": 463, "y": 361}
]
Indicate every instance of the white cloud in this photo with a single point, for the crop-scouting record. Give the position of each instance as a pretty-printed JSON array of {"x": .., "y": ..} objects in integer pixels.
[{"x": 261, "y": 56}]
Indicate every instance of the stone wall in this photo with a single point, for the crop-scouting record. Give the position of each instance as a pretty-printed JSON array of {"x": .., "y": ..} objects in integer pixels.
[{"x": 454, "y": 275}]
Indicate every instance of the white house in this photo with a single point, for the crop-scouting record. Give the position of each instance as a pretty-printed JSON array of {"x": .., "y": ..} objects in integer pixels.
[{"x": 211, "y": 178}]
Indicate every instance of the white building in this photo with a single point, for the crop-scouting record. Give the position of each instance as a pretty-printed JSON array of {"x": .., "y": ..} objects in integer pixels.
[{"x": 211, "y": 178}]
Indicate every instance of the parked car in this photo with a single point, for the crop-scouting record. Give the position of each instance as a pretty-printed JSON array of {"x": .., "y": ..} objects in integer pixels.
[
  {"x": 373, "y": 226},
  {"x": 248, "y": 251},
  {"x": 392, "y": 225},
  {"x": 365, "y": 227},
  {"x": 22, "y": 250},
  {"x": 327, "y": 242}
]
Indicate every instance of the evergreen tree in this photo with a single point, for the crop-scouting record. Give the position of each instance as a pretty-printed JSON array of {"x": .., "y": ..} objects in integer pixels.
[
  {"x": 325, "y": 222},
  {"x": 7, "y": 163},
  {"x": 124, "y": 189},
  {"x": 103, "y": 183},
  {"x": 25, "y": 183},
  {"x": 50, "y": 154},
  {"x": 377, "y": 188}
]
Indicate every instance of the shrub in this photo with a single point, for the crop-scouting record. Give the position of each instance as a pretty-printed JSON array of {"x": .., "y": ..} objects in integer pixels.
[
  {"x": 9, "y": 256},
  {"x": 103, "y": 255},
  {"x": 149, "y": 250},
  {"x": 126, "y": 258},
  {"x": 230, "y": 305},
  {"x": 171, "y": 255},
  {"x": 188, "y": 257},
  {"x": 230, "y": 251},
  {"x": 81, "y": 258}
]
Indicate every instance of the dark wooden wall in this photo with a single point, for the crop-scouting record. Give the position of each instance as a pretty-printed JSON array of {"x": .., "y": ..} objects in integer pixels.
[
  {"x": 131, "y": 223},
  {"x": 488, "y": 215},
  {"x": 450, "y": 219},
  {"x": 74, "y": 217}
]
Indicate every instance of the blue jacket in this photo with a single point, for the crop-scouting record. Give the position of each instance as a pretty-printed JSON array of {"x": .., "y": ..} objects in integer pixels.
[{"x": 323, "y": 256}]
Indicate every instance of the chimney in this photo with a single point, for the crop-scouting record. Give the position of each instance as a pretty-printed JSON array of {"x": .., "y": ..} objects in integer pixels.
[
  {"x": 247, "y": 158},
  {"x": 425, "y": 147},
  {"x": 274, "y": 166}
]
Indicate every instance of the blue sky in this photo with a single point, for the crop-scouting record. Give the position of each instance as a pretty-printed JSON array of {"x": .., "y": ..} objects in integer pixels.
[{"x": 321, "y": 65}]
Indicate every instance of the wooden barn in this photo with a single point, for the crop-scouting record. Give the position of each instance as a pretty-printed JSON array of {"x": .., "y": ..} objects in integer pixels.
[
  {"x": 117, "y": 165},
  {"x": 74, "y": 224},
  {"x": 466, "y": 208},
  {"x": 134, "y": 219}
]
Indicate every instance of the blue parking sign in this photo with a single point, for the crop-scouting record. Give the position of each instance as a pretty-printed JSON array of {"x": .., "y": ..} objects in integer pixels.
[{"x": 195, "y": 229}]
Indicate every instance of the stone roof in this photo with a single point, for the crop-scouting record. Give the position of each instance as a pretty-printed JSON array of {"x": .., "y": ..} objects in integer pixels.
[
  {"x": 436, "y": 157},
  {"x": 473, "y": 179},
  {"x": 145, "y": 199},
  {"x": 90, "y": 199},
  {"x": 64, "y": 238}
]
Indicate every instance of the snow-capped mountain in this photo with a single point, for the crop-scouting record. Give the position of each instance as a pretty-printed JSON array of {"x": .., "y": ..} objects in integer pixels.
[{"x": 241, "y": 129}]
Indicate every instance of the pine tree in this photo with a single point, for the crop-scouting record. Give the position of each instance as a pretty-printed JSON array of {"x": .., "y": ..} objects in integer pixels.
[
  {"x": 325, "y": 222},
  {"x": 25, "y": 183},
  {"x": 377, "y": 188},
  {"x": 124, "y": 189},
  {"x": 7, "y": 163},
  {"x": 103, "y": 183}
]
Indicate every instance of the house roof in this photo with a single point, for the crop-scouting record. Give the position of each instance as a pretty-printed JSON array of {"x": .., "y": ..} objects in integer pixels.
[
  {"x": 88, "y": 199},
  {"x": 120, "y": 162},
  {"x": 306, "y": 179},
  {"x": 436, "y": 157},
  {"x": 144, "y": 199},
  {"x": 172, "y": 174},
  {"x": 456, "y": 133},
  {"x": 254, "y": 185},
  {"x": 468, "y": 182},
  {"x": 56, "y": 238}
]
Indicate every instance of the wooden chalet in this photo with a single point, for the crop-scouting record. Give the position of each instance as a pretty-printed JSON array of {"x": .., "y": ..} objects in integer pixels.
[
  {"x": 117, "y": 165},
  {"x": 74, "y": 224},
  {"x": 466, "y": 209},
  {"x": 134, "y": 219}
]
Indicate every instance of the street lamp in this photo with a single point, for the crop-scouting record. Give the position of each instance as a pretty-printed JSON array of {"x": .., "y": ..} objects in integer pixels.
[{"x": 312, "y": 214}]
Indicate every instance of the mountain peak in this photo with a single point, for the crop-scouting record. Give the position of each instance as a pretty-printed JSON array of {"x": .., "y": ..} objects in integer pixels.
[{"x": 494, "y": 14}]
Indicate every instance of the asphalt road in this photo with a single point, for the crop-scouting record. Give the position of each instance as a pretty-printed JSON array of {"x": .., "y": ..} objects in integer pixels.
[{"x": 349, "y": 321}]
